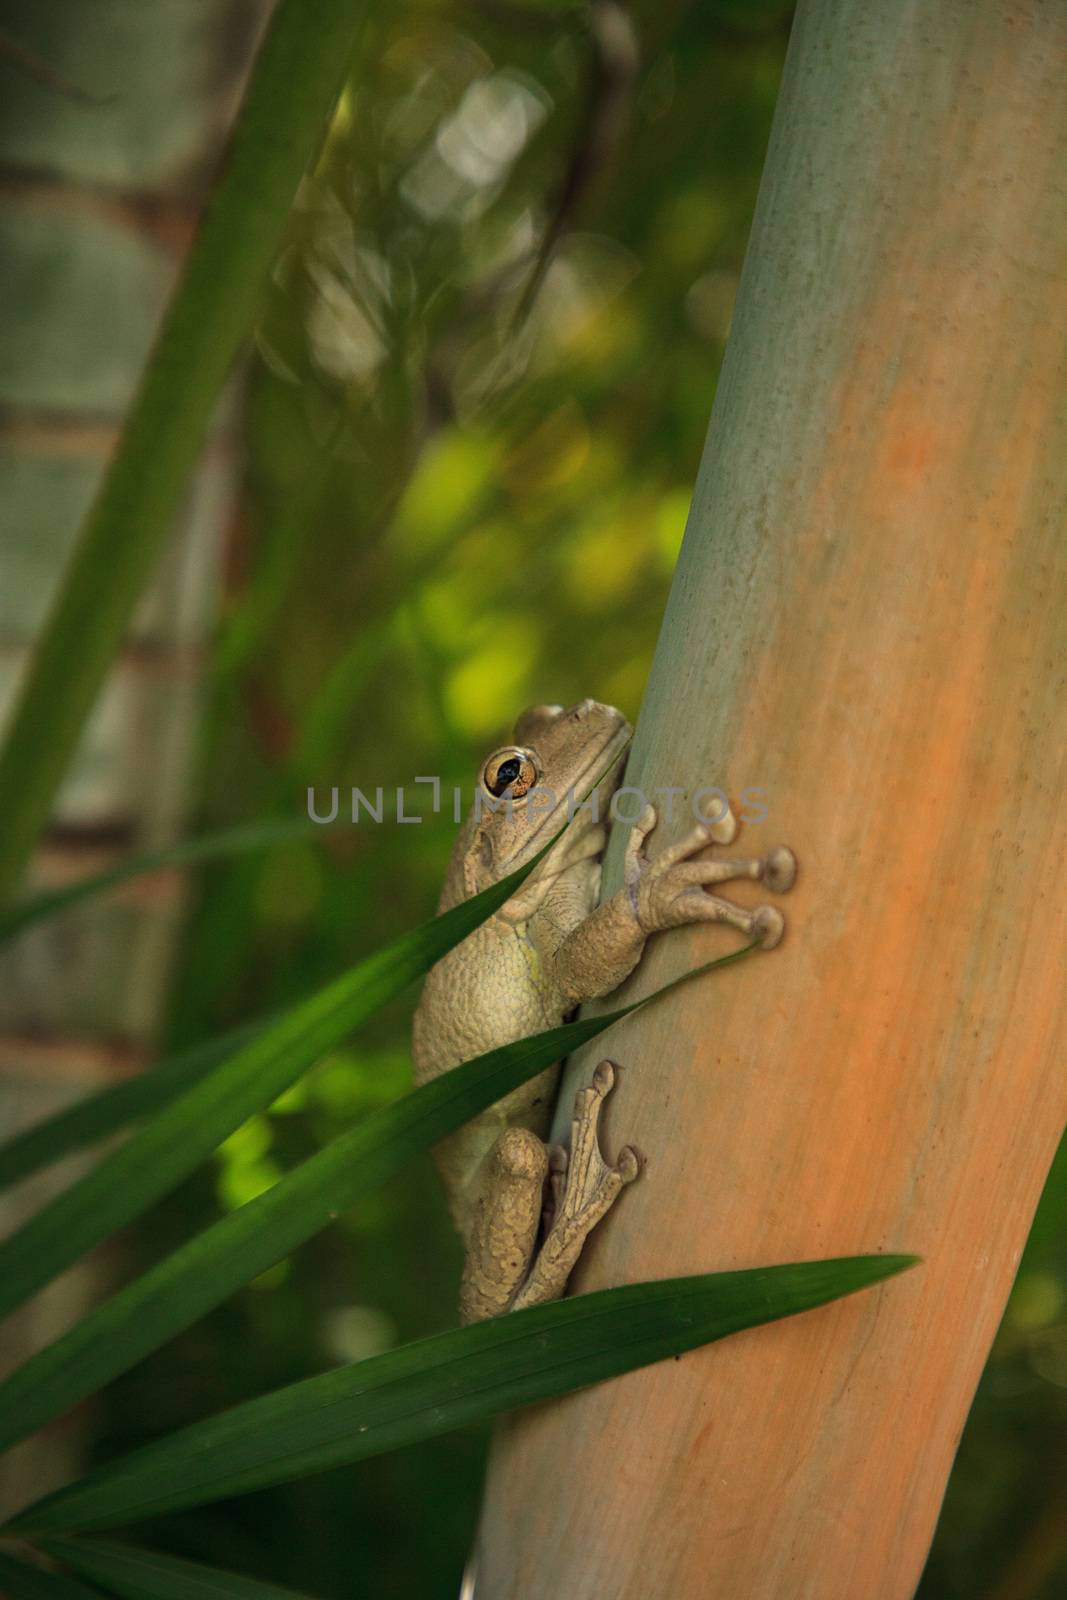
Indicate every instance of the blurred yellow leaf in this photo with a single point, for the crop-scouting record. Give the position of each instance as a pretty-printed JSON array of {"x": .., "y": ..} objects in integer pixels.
[
  {"x": 345, "y": 1083},
  {"x": 604, "y": 565},
  {"x": 626, "y": 684},
  {"x": 294, "y": 1099},
  {"x": 240, "y": 1183},
  {"x": 450, "y": 480},
  {"x": 484, "y": 691},
  {"x": 550, "y": 456},
  {"x": 248, "y": 1142}
]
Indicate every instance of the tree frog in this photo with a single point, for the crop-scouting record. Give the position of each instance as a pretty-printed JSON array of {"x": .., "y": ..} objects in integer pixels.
[{"x": 524, "y": 1210}]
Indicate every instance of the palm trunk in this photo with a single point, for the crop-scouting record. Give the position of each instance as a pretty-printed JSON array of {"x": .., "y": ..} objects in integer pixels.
[
  {"x": 867, "y": 622},
  {"x": 110, "y": 123}
]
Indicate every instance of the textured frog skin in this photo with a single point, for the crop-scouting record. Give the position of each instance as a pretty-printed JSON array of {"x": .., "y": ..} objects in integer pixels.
[{"x": 546, "y": 951}]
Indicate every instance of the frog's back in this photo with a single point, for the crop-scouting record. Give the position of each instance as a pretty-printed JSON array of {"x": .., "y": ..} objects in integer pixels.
[{"x": 486, "y": 992}]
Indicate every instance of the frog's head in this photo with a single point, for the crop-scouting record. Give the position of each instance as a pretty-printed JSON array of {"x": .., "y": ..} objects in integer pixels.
[{"x": 529, "y": 788}]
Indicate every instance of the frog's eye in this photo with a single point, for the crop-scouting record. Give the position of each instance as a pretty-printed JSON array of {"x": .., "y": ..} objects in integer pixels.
[{"x": 512, "y": 768}]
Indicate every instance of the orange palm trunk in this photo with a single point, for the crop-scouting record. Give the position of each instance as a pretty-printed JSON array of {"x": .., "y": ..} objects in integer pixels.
[{"x": 868, "y": 623}]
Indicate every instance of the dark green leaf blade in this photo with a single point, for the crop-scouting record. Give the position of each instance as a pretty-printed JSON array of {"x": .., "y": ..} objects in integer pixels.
[
  {"x": 137, "y": 1574},
  {"x": 169, "y": 1147},
  {"x": 297, "y": 78},
  {"x": 435, "y": 1385},
  {"x": 21, "y": 1582},
  {"x": 172, "y": 1295},
  {"x": 99, "y": 1115}
]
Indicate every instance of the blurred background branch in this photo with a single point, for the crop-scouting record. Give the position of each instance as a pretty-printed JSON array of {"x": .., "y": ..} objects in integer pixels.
[{"x": 110, "y": 124}]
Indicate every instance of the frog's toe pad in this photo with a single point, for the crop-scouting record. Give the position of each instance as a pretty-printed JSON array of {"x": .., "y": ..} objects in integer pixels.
[
  {"x": 780, "y": 869},
  {"x": 768, "y": 925},
  {"x": 628, "y": 1165}
]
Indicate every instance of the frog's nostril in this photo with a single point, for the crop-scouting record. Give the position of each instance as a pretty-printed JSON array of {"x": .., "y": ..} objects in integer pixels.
[
  {"x": 582, "y": 709},
  {"x": 534, "y": 721}
]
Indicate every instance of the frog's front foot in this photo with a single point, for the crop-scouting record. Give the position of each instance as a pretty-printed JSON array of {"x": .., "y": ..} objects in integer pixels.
[
  {"x": 583, "y": 1189},
  {"x": 672, "y": 889}
]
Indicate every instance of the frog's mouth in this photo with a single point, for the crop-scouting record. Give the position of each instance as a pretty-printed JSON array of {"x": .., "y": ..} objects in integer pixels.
[{"x": 604, "y": 770}]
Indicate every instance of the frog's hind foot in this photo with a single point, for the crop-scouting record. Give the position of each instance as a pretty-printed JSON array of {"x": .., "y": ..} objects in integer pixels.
[{"x": 584, "y": 1187}]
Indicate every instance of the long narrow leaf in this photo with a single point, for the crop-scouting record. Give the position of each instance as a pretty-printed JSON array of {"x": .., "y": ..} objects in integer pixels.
[
  {"x": 237, "y": 1249},
  {"x": 242, "y": 840},
  {"x": 435, "y": 1385},
  {"x": 99, "y": 1115},
  {"x": 154, "y": 1160},
  {"x": 297, "y": 78},
  {"x": 145, "y": 1575},
  {"x": 21, "y": 1582},
  {"x": 202, "y": 1273}
]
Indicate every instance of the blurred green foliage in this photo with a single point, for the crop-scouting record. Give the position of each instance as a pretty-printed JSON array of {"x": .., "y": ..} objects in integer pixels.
[{"x": 467, "y": 481}]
